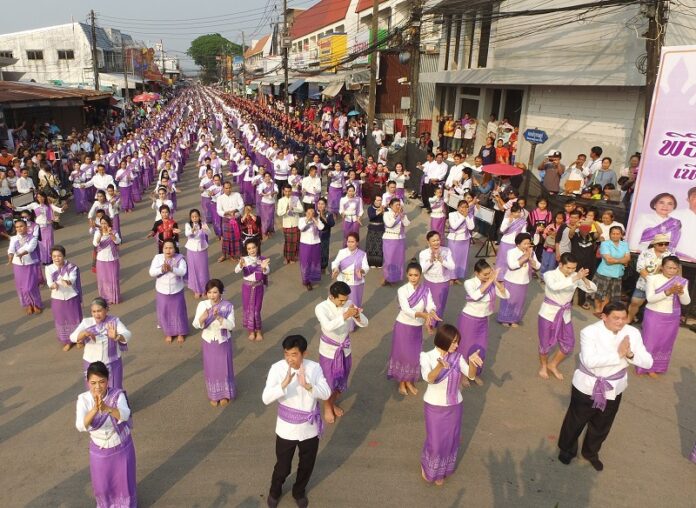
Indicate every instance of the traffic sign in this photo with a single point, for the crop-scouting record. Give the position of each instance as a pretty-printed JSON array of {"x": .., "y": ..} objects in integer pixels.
[{"x": 536, "y": 136}]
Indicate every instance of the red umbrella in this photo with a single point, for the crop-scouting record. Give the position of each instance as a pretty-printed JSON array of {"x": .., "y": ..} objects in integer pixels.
[
  {"x": 502, "y": 169},
  {"x": 146, "y": 97}
]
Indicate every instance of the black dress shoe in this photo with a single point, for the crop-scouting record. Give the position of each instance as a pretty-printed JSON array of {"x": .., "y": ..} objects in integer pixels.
[
  {"x": 302, "y": 502},
  {"x": 596, "y": 463},
  {"x": 565, "y": 457},
  {"x": 272, "y": 501}
]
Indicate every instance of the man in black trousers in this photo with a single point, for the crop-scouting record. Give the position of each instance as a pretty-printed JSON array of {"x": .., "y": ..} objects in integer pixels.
[{"x": 607, "y": 348}]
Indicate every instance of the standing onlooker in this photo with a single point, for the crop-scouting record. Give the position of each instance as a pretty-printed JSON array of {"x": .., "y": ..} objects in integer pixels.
[
  {"x": 594, "y": 165},
  {"x": 468, "y": 138},
  {"x": 615, "y": 256},
  {"x": 552, "y": 170}
]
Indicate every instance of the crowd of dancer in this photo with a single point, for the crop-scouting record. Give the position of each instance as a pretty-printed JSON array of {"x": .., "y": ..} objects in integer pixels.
[{"x": 251, "y": 175}]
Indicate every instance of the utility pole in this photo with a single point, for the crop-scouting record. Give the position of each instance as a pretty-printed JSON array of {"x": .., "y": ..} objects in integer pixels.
[
  {"x": 95, "y": 62},
  {"x": 126, "y": 94},
  {"x": 243, "y": 66},
  {"x": 372, "y": 99},
  {"x": 656, "y": 12},
  {"x": 416, "y": 15},
  {"x": 286, "y": 97}
]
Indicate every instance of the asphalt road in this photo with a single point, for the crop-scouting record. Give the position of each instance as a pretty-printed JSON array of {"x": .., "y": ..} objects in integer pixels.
[{"x": 190, "y": 454}]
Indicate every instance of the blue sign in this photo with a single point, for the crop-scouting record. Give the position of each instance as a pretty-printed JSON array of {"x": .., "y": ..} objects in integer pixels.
[{"x": 536, "y": 136}]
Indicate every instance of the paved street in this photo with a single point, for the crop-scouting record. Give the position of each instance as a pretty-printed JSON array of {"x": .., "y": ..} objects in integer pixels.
[{"x": 190, "y": 454}]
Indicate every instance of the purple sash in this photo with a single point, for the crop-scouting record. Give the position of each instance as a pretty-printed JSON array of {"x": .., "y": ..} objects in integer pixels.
[
  {"x": 421, "y": 293},
  {"x": 257, "y": 271},
  {"x": 350, "y": 201},
  {"x": 670, "y": 226},
  {"x": 111, "y": 400},
  {"x": 356, "y": 259},
  {"x": 601, "y": 386},
  {"x": 108, "y": 243},
  {"x": 311, "y": 225},
  {"x": 675, "y": 297},
  {"x": 63, "y": 271},
  {"x": 453, "y": 374},
  {"x": 175, "y": 260},
  {"x": 45, "y": 210},
  {"x": 490, "y": 291},
  {"x": 557, "y": 327},
  {"x": 459, "y": 226},
  {"x": 200, "y": 235},
  {"x": 338, "y": 365},
  {"x": 515, "y": 226},
  {"x": 224, "y": 309},
  {"x": 100, "y": 329},
  {"x": 337, "y": 178},
  {"x": 297, "y": 416}
]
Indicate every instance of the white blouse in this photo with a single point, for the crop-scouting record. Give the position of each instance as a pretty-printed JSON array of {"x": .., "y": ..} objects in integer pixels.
[
  {"x": 311, "y": 189},
  {"x": 309, "y": 236},
  {"x": 464, "y": 232},
  {"x": 26, "y": 244},
  {"x": 105, "y": 254},
  {"x": 480, "y": 306},
  {"x": 351, "y": 208},
  {"x": 392, "y": 230},
  {"x": 334, "y": 326},
  {"x": 194, "y": 243},
  {"x": 660, "y": 302},
  {"x": 436, "y": 393},
  {"x": 214, "y": 331},
  {"x": 561, "y": 290},
  {"x": 348, "y": 274},
  {"x": 98, "y": 349},
  {"x": 63, "y": 291},
  {"x": 515, "y": 273},
  {"x": 171, "y": 282},
  {"x": 106, "y": 436},
  {"x": 436, "y": 271},
  {"x": 407, "y": 314},
  {"x": 250, "y": 261}
]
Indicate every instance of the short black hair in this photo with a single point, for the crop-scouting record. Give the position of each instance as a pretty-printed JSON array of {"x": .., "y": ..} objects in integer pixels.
[
  {"x": 445, "y": 335},
  {"x": 58, "y": 248},
  {"x": 596, "y": 150},
  {"x": 295, "y": 341},
  {"x": 97, "y": 369},
  {"x": 215, "y": 283},
  {"x": 671, "y": 259},
  {"x": 481, "y": 265},
  {"x": 414, "y": 265},
  {"x": 615, "y": 306},
  {"x": 430, "y": 234},
  {"x": 567, "y": 257},
  {"x": 339, "y": 288},
  {"x": 521, "y": 237}
]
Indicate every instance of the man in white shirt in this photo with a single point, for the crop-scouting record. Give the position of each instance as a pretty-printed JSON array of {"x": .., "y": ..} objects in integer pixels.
[
  {"x": 297, "y": 384},
  {"x": 607, "y": 348},
  {"x": 595, "y": 163},
  {"x": 335, "y": 314},
  {"x": 290, "y": 209},
  {"x": 378, "y": 134},
  {"x": 437, "y": 172},
  {"x": 311, "y": 188},
  {"x": 229, "y": 207},
  {"x": 24, "y": 183}
]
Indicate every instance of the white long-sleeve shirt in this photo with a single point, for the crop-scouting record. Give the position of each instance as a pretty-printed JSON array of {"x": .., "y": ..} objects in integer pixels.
[
  {"x": 63, "y": 291},
  {"x": 233, "y": 202},
  {"x": 193, "y": 243},
  {"x": 334, "y": 326},
  {"x": 308, "y": 235},
  {"x": 436, "y": 393},
  {"x": 26, "y": 244},
  {"x": 351, "y": 208},
  {"x": 250, "y": 261},
  {"x": 407, "y": 314},
  {"x": 311, "y": 189},
  {"x": 171, "y": 282},
  {"x": 392, "y": 229},
  {"x": 104, "y": 254},
  {"x": 456, "y": 232},
  {"x": 25, "y": 185},
  {"x": 98, "y": 349},
  {"x": 561, "y": 290},
  {"x": 100, "y": 182},
  {"x": 660, "y": 302},
  {"x": 436, "y": 271},
  {"x": 519, "y": 274},
  {"x": 105, "y": 436},
  {"x": 599, "y": 354},
  {"x": 480, "y": 306},
  {"x": 289, "y": 213},
  {"x": 214, "y": 331},
  {"x": 296, "y": 397},
  {"x": 348, "y": 274}
]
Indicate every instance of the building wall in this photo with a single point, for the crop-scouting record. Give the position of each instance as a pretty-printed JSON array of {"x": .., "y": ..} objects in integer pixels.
[
  {"x": 50, "y": 40},
  {"x": 578, "y": 118}
]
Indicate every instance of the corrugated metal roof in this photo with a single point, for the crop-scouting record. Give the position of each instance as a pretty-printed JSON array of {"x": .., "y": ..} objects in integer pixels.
[
  {"x": 13, "y": 92},
  {"x": 103, "y": 41},
  {"x": 320, "y": 15}
]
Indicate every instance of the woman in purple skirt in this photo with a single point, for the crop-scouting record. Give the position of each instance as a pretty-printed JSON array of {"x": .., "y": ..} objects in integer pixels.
[
  {"x": 438, "y": 215},
  {"x": 63, "y": 279},
  {"x": 337, "y": 179},
  {"x": 417, "y": 308},
  {"x": 351, "y": 209},
  {"x": 103, "y": 411},
  {"x": 215, "y": 317},
  {"x": 106, "y": 241},
  {"x": 350, "y": 266},
  {"x": 521, "y": 261},
  {"x": 438, "y": 264},
  {"x": 394, "y": 242},
  {"x": 481, "y": 292},
  {"x": 169, "y": 268},
  {"x": 310, "y": 248},
  {"x": 267, "y": 192},
  {"x": 104, "y": 338},
  {"x": 45, "y": 213},
  {"x": 512, "y": 225},
  {"x": 461, "y": 224},
  {"x": 124, "y": 177},
  {"x": 22, "y": 254},
  {"x": 255, "y": 270},
  {"x": 442, "y": 367},
  {"x": 197, "y": 253},
  {"x": 666, "y": 292}
]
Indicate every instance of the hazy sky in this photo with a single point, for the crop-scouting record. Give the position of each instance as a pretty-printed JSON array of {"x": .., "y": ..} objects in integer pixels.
[{"x": 175, "y": 22}]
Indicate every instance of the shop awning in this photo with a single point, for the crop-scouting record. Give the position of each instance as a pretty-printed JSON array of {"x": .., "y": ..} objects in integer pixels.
[
  {"x": 333, "y": 89},
  {"x": 295, "y": 85}
]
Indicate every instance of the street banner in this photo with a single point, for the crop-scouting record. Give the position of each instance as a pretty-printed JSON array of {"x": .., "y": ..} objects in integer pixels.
[{"x": 664, "y": 201}]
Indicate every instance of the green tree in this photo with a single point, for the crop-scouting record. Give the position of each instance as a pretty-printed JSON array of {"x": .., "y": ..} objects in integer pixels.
[{"x": 205, "y": 49}]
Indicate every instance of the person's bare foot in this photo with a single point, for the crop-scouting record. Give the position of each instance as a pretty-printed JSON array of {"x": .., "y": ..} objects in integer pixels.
[
  {"x": 214, "y": 403},
  {"x": 412, "y": 389},
  {"x": 514, "y": 325},
  {"x": 259, "y": 336},
  {"x": 653, "y": 375},
  {"x": 543, "y": 373},
  {"x": 224, "y": 402},
  {"x": 68, "y": 347},
  {"x": 309, "y": 287},
  {"x": 252, "y": 336},
  {"x": 221, "y": 259},
  {"x": 338, "y": 411},
  {"x": 478, "y": 381},
  {"x": 556, "y": 373},
  {"x": 506, "y": 325},
  {"x": 423, "y": 475},
  {"x": 180, "y": 339},
  {"x": 329, "y": 416},
  {"x": 80, "y": 345},
  {"x": 439, "y": 483},
  {"x": 168, "y": 339},
  {"x": 402, "y": 389},
  {"x": 29, "y": 311}
]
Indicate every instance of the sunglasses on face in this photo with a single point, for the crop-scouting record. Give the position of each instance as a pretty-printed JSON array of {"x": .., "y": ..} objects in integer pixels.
[{"x": 661, "y": 244}]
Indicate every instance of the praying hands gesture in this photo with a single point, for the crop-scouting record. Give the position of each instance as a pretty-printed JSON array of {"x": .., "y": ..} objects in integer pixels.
[
  {"x": 302, "y": 379},
  {"x": 84, "y": 336},
  {"x": 288, "y": 378},
  {"x": 581, "y": 274},
  {"x": 352, "y": 312},
  {"x": 624, "y": 349},
  {"x": 675, "y": 289},
  {"x": 166, "y": 267}
]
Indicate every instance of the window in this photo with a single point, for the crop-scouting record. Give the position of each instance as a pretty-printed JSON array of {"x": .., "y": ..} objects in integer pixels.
[
  {"x": 6, "y": 54},
  {"x": 34, "y": 54},
  {"x": 66, "y": 54},
  {"x": 467, "y": 38}
]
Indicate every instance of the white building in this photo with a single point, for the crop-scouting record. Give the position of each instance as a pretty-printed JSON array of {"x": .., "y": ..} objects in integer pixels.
[
  {"x": 62, "y": 55},
  {"x": 578, "y": 75}
]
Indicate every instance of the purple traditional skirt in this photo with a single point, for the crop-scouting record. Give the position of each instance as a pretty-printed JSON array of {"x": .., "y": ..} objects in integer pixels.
[
  {"x": 206, "y": 210},
  {"x": 217, "y": 220},
  {"x": 80, "y": 199},
  {"x": 116, "y": 223},
  {"x": 108, "y": 284},
  {"x": 198, "y": 273},
  {"x": 27, "y": 279},
  {"x": 127, "y": 203},
  {"x": 501, "y": 259},
  {"x": 511, "y": 309},
  {"x": 67, "y": 314},
  {"x": 335, "y": 194},
  {"x": 443, "y": 425},
  {"x": 218, "y": 370},
  {"x": 267, "y": 214},
  {"x": 473, "y": 333},
  {"x": 113, "y": 475},
  {"x": 566, "y": 343},
  {"x": 460, "y": 255},
  {"x": 171, "y": 313},
  {"x": 394, "y": 251},
  {"x": 439, "y": 292},
  {"x": 310, "y": 263},
  {"x": 350, "y": 227},
  {"x": 45, "y": 244},
  {"x": 404, "y": 359},
  {"x": 115, "y": 373},
  {"x": 252, "y": 301},
  {"x": 356, "y": 296},
  {"x": 438, "y": 224},
  {"x": 335, "y": 384},
  {"x": 400, "y": 193},
  {"x": 692, "y": 457},
  {"x": 248, "y": 192},
  {"x": 135, "y": 191},
  {"x": 659, "y": 334}
]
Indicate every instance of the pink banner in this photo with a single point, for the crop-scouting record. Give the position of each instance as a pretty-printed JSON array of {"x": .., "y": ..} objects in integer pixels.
[{"x": 665, "y": 193}]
